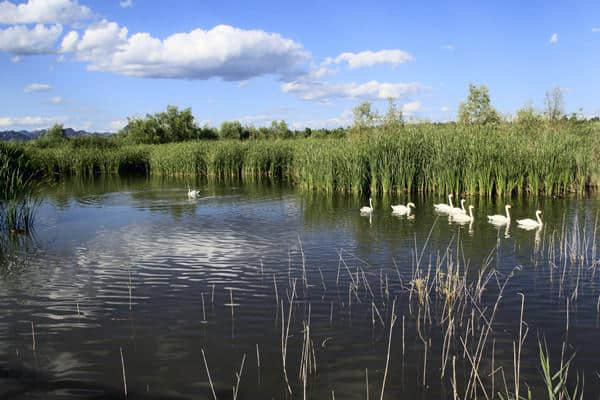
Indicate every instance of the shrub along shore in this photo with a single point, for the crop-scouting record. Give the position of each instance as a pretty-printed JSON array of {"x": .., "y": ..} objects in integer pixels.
[{"x": 491, "y": 160}]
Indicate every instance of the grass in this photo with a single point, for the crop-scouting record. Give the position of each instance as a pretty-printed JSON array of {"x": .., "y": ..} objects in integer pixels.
[
  {"x": 18, "y": 191},
  {"x": 500, "y": 160}
]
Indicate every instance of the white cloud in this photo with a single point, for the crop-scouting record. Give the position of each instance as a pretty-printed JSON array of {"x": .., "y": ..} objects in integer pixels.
[
  {"x": 411, "y": 107},
  {"x": 224, "y": 51},
  {"x": 343, "y": 120},
  {"x": 374, "y": 90},
  {"x": 16, "y": 59},
  {"x": 56, "y": 100},
  {"x": 126, "y": 3},
  {"x": 448, "y": 47},
  {"x": 37, "y": 87},
  {"x": 371, "y": 58},
  {"x": 595, "y": 30},
  {"x": 69, "y": 42},
  {"x": 20, "y": 40},
  {"x": 445, "y": 108},
  {"x": 43, "y": 11},
  {"x": 320, "y": 72},
  {"x": 27, "y": 121},
  {"x": 117, "y": 125},
  {"x": 554, "y": 38}
]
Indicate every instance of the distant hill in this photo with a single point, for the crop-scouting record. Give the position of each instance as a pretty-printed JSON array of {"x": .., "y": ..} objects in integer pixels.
[{"x": 30, "y": 135}]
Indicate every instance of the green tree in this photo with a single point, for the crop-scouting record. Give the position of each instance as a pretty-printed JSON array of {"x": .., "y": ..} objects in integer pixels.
[
  {"x": 231, "y": 130},
  {"x": 365, "y": 116},
  {"x": 554, "y": 105},
  {"x": 163, "y": 127},
  {"x": 280, "y": 130},
  {"x": 54, "y": 136},
  {"x": 477, "y": 108},
  {"x": 393, "y": 118},
  {"x": 528, "y": 118}
]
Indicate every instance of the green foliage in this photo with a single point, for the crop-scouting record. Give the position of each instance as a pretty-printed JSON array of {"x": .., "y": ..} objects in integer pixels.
[
  {"x": 231, "y": 130},
  {"x": 393, "y": 119},
  {"x": 54, "y": 136},
  {"x": 499, "y": 159},
  {"x": 529, "y": 119},
  {"x": 554, "y": 105},
  {"x": 477, "y": 108},
  {"x": 163, "y": 127},
  {"x": 17, "y": 192},
  {"x": 280, "y": 130}
]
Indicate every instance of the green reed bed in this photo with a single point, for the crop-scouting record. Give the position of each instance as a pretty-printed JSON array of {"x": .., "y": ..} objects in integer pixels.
[
  {"x": 496, "y": 160},
  {"x": 18, "y": 187}
]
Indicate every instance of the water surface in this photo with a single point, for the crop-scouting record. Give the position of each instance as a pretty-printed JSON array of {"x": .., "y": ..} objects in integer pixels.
[{"x": 132, "y": 266}]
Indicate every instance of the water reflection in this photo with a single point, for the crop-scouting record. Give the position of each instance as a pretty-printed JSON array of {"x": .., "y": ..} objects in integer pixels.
[{"x": 134, "y": 264}]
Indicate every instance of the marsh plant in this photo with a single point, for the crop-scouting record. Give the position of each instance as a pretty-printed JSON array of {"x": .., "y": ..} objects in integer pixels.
[{"x": 18, "y": 200}]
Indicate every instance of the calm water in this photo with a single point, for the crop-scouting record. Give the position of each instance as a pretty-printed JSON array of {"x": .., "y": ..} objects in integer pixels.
[{"x": 125, "y": 266}]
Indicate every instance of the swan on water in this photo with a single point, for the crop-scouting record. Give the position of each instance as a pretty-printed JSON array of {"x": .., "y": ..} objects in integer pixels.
[
  {"x": 529, "y": 223},
  {"x": 368, "y": 209},
  {"x": 444, "y": 208},
  {"x": 403, "y": 209},
  {"x": 459, "y": 210},
  {"x": 463, "y": 217},
  {"x": 500, "y": 219},
  {"x": 192, "y": 194}
]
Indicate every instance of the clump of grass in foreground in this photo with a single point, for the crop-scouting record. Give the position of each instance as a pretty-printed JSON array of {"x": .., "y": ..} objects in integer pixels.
[{"x": 18, "y": 191}]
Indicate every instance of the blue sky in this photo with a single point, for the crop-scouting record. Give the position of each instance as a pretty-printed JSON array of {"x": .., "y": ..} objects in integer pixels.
[{"x": 92, "y": 64}]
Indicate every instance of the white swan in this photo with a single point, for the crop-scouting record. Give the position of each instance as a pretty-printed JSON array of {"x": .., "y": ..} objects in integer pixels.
[
  {"x": 500, "y": 219},
  {"x": 192, "y": 194},
  {"x": 463, "y": 217},
  {"x": 444, "y": 208},
  {"x": 459, "y": 210},
  {"x": 366, "y": 209},
  {"x": 529, "y": 223},
  {"x": 403, "y": 210}
]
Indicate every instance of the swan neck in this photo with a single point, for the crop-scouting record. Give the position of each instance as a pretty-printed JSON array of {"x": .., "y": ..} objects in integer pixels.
[
  {"x": 537, "y": 215},
  {"x": 450, "y": 200},
  {"x": 507, "y": 213}
]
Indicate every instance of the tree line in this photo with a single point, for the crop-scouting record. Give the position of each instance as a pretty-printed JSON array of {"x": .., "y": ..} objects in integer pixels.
[{"x": 175, "y": 125}]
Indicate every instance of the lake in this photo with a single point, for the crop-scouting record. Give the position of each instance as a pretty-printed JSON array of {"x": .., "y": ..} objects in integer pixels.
[{"x": 127, "y": 282}]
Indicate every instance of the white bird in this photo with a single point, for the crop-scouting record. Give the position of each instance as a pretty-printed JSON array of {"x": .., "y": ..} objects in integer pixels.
[
  {"x": 192, "y": 194},
  {"x": 500, "y": 219},
  {"x": 366, "y": 209},
  {"x": 403, "y": 210},
  {"x": 459, "y": 210},
  {"x": 444, "y": 208},
  {"x": 529, "y": 223},
  {"x": 464, "y": 217}
]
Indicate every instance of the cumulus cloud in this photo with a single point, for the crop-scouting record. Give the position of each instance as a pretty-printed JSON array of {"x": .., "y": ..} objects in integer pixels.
[
  {"x": 56, "y": 100},
  {"x": 373, "y": 90},
  {"x": 21, "y": 40},
  {"x": 412, "y": 107},
  {"x": 43, "y": 11},
  {"x": 370, "y": 58},
  {"x": 28, "y": 121},
  {"x": 37, "y": 87},
  {"x": 224, "y": 51},
  {"x": 126, "y": 3},
  {"x": 69, "y": 42},
  {"x": 554, "y": 38}
]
